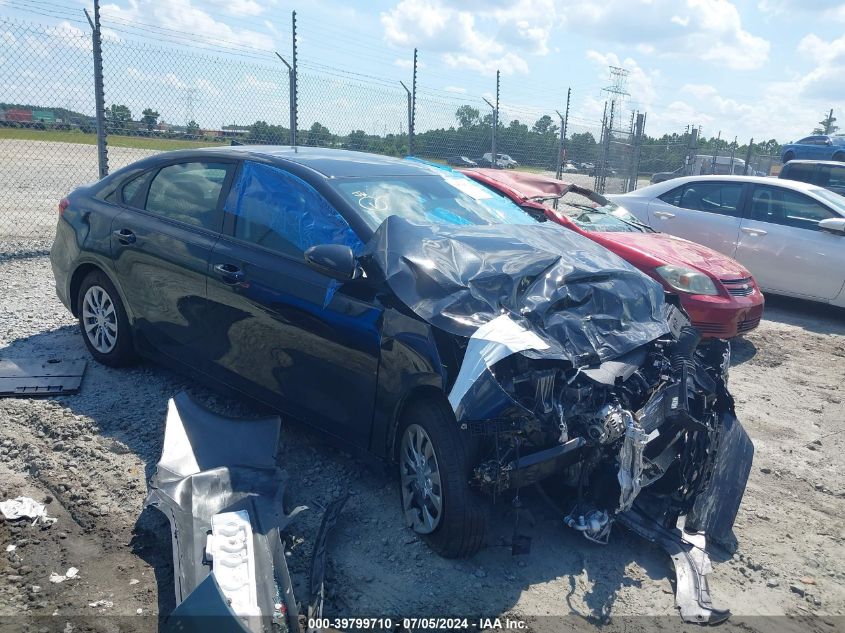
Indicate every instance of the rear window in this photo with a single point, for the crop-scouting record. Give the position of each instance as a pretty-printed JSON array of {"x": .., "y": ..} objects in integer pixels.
[{"x": 798, "y": 171}]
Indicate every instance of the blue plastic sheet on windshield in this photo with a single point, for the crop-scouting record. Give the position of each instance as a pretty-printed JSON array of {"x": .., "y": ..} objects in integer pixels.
[
  {"x": 271, "y": 197},
  {"x": 508, "y": 212}
]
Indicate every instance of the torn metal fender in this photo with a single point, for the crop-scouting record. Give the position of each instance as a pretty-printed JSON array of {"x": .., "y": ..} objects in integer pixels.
[
  {"x": 715, "y": 509},
  {"x": 691, "y": 562}
]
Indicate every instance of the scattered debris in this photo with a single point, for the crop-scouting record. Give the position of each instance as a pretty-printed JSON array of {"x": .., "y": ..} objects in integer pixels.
[
  {"x": 11, "y": 548},
  {"x": 72, "y": 572},
  {"x": 28, "y": 377},
  {"x": 25, "y": 508},
  {"x": 797, "y": 589},
  {"x": 107, "y": 604}
]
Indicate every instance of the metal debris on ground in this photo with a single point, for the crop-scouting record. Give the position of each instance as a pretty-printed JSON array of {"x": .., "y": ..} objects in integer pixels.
[{"x": 34, "y": 377}]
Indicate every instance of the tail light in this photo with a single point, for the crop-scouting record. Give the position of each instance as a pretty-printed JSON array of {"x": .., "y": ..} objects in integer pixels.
[{"x": 63, "y": 204}]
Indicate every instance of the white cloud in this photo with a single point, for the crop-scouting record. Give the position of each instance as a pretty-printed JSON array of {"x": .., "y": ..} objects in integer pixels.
[
  {"x": 184, "y": 17},
  {"x": 476, "y": 36},
  {"x": 456, "y": 89},
  {"x": 248, "y": 8},
  {"x": 708, "y": 30}
]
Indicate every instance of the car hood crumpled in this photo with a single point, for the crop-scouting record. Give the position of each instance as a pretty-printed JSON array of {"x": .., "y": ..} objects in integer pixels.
[{"x": 576, "y": 300}]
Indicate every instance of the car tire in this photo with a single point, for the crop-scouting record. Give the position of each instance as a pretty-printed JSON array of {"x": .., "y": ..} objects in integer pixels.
[
  {"x": 459, "y": 528},
  {"x": 788, "y": 157},
  {"x": 840, "y": 156},
  {"x": 103, "y": 321}
]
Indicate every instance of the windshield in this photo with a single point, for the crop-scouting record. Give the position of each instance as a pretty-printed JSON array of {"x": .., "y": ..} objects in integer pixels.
[
  {"x": 833, "y": 200},
  {"x": 450, "y": 198},
  {"x": 601, "y": 217}
]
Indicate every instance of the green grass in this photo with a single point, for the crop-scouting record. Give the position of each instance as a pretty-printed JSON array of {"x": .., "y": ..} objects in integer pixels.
[{"x": 76, "y": 136}]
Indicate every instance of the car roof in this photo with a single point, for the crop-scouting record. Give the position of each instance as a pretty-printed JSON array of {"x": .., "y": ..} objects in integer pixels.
[
  {"x": 760, "y": 180},
  {"x": 808, "y": 161},
  {"x": 330, "y": 163}
]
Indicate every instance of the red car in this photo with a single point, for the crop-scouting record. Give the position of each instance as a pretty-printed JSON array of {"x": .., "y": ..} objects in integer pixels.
[{"x": 719, "y": 293}]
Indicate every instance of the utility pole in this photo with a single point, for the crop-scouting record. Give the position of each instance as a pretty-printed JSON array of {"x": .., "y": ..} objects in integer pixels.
[
  {"x": 99, "y": 93},
  {"x": 733, "y": 153},
  {"x": 829, "y": 123},
  {"x": 561, "y": 149}
]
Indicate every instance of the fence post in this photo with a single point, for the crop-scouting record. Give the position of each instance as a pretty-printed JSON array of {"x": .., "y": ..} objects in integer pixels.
[
  {"x": 410, "y": 99},
  {"x": 291, "y": 99},
  {"x": 294, "y": 115},
  {"x": 748, "y": 157},
  {"x": 99, "y": 92},
  {"x": 412, "y": 113},
  {"x": 638, "y": 146},
  {"x": 600, "y": 158},
  {"x": 561, "y": 148}
]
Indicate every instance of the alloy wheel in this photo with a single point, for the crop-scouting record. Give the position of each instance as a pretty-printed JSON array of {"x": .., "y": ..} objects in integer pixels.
[
  {"x": 99, "y": 319},
  {"x": 422, "y": 493}
]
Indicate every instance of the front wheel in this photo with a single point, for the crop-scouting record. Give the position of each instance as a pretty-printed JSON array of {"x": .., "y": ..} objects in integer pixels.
[
  {"x": 788, "y": 157},
  {"x": 840, "y": 156},
  {"x": 103, "y": 321},
  {"x": 435, "y": 462}
]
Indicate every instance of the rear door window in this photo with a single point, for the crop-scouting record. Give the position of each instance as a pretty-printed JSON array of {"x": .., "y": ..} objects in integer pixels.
[
  {"x": 189, "y": 193},
  {"x": 788, "y": 208},
  {"x": 712, "y": 197}
]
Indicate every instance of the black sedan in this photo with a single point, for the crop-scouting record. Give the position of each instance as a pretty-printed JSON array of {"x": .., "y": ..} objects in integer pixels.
[
  {"x": 415, "y": 316},
  {"x": 461, "y": 161}
]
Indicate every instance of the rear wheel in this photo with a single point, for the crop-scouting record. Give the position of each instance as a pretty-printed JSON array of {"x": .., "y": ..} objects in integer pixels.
[
  {"x": 840, "y": 156},
  {"x": 103, "y": 321},
  {"x": 435, "y": 462},
  {"x": 788, "y": 157}
]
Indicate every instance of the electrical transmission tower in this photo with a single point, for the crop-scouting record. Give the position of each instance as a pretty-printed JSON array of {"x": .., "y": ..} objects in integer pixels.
[
  {"x": 190, "y": 98},
  {"x": 617, "y": 91}
]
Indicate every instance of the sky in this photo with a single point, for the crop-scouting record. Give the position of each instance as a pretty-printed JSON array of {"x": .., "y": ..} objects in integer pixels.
[{"x": 753, "y": 68}]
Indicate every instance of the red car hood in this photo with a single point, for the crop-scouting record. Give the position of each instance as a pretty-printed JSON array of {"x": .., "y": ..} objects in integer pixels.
[{"x": 672, "y": 250}]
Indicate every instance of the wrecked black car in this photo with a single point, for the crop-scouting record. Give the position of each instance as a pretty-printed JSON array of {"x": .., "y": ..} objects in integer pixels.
[{"x": 413, "y": 315}]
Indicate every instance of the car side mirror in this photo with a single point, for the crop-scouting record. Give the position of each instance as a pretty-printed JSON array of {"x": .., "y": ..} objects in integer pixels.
[
  {"x": 333, "y": 260},
  {"x": 833, "y": 225}
]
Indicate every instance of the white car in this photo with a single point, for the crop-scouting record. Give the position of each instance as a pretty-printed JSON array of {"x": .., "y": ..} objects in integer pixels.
[
  {"x": 503, "y": 161},
  {"x": 790, "y": 235}
]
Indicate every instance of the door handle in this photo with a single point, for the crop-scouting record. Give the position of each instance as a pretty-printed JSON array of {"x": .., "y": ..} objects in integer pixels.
[
  {"x": 229, "y": 274},
  {"x": 755, "y": 232},
  {"x": 125, "y": 236},
  {"x": 664, "y": 214}
]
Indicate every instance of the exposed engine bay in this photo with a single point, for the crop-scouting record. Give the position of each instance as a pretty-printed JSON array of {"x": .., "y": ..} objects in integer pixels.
[{"x": 647, "y": 422}]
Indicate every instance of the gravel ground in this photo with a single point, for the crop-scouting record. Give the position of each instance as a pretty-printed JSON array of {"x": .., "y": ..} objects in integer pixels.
[{"x": 92, "y": 454}]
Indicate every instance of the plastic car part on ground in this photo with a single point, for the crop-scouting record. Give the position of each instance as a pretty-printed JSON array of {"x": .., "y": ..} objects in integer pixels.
[
  {"x": 219, "y": 485},
  {"x": 33, "y": 377}
]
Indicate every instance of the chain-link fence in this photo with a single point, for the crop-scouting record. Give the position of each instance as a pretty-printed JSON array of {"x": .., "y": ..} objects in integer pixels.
[{"x": 159, "y": 98}]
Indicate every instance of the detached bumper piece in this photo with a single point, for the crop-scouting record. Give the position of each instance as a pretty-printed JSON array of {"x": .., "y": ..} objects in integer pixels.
[
  {"x": 691, "y": 562},
  {"x": 219, "y": 486}
]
